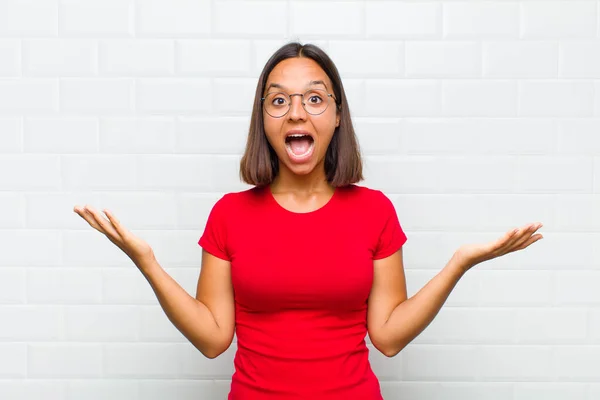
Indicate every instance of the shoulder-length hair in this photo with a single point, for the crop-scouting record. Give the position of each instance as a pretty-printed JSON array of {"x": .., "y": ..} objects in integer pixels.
[{"x": 343, "y": 166}]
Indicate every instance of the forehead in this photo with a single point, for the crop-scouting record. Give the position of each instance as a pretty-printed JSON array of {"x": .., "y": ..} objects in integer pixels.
[{"x": 297, "y": 73}]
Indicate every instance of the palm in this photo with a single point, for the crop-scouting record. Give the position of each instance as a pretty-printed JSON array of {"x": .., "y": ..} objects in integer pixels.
[
  {"x": 473, "y": 254},
  {"x": 136, "y": 248}
]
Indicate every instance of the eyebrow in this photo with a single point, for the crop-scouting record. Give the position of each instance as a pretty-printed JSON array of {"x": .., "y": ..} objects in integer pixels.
[{"x": 311, "y": 83}]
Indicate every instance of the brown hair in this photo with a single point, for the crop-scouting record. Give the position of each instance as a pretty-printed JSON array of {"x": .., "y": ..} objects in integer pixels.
[{"x": 343, "y": 166}]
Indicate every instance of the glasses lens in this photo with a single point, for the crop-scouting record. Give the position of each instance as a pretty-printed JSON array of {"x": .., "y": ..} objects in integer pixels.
[
  {"x": 278, "y": 104},
  {"x": 315, "y": 101}
]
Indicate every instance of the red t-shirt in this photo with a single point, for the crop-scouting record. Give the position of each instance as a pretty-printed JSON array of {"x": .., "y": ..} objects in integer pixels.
[{"x": 301, "y": 284}]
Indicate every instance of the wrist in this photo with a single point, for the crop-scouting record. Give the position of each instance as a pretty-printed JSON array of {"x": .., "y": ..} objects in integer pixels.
[
  {"x": 459, "y": 264},
  {"x": 146, "y": 264}
]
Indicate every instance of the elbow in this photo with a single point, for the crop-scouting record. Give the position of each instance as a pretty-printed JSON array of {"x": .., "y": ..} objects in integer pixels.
[
  {"x": 386, "y": 346},
  {"x": 389, "y": 349},
  {"x": 213, "y": 346},
  {"x": 212, "y": 351},
  {"x": 207, "y": 352},
  {"x": 391, "y": 352},
  {"x": 212, "y": 354}
]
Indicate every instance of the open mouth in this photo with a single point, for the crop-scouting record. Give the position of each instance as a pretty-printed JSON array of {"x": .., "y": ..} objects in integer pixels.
[{"x": 299, "y": 145}]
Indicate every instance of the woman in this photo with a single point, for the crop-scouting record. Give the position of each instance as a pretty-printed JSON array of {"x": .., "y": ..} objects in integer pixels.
[{"x": 306, "y": 263}]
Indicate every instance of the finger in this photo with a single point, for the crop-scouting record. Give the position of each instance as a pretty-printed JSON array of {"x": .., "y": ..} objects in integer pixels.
[
  {"x": 529, "y": 242},
  {"x": 115, "y": 222},
  {"x": 514, "y": 238},
  {"x": 520, "y": 234},
  {"x": 525, "y": 236},
  {"x": 89, "y": 218},
  {"x": 505, "y": 242},
  {"x": 104, "y": 224}
]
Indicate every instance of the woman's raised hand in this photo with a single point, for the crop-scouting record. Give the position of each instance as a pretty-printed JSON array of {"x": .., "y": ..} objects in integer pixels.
[
  {"x": 472, "y": 254},
  {"x": 134, "y": 247}
]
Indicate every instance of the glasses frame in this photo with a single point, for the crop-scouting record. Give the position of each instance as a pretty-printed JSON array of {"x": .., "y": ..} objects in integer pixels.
[{"x": 289, "y": 96}]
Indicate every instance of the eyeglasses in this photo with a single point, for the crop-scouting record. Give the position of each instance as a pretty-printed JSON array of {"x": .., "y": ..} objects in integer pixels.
[{"x": 278, "y": 104}]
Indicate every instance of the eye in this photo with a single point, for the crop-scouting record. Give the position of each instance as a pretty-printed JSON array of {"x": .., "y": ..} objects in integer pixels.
[
  {"x": 279, "y": 101},
  {"x": 315, "y": 99}
]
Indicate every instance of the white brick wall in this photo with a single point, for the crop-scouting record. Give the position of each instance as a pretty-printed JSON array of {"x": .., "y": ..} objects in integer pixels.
[{"x": 472, "y": 116}]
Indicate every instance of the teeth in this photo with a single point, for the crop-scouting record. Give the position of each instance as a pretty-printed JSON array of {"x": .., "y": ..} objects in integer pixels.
[{"x": 300, "y": 155}]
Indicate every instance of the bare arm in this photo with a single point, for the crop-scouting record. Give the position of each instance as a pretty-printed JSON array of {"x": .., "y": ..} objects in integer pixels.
[
  {"x": 409, "y": 317},
  {"x": 394, "y": 321},
  {"x": 207, "y": 321}
]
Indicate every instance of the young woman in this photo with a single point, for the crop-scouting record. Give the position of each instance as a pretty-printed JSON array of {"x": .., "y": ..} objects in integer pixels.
[{"x": 305, "y": 263}]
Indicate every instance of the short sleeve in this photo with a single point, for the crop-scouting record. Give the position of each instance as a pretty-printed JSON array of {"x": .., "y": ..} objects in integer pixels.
[
  {"x": 214, "y": 238},
  {"x": 391, "y": 236}
]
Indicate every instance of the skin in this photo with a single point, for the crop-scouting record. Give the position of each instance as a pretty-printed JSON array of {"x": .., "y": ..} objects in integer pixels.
[
  {"x": 393, "y": 320},
  {"x": 301, "y": 187}
]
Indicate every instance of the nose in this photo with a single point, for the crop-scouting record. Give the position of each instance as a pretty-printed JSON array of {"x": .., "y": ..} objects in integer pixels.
[{"x": 297, "y": 110}]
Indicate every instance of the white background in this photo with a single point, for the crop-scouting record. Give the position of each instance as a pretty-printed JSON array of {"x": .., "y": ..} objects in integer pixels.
[{"x": 473, "y": 117}]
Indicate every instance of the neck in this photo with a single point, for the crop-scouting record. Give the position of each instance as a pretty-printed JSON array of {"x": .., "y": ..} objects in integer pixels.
[{"x": 315, "y": 181}]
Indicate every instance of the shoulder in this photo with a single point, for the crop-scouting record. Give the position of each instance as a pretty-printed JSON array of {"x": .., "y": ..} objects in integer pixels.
[
  {"x": 367, "y": 196},
  {"x": 235, "y": 200},
  {"x": 373, "y": 204}
]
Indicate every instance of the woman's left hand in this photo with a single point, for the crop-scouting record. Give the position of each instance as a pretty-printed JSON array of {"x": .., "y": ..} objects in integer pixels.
[{"x": 472, "y": 254}]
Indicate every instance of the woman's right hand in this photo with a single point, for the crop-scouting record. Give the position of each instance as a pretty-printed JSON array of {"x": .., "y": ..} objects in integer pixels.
[{"x": 135, "y": 248}]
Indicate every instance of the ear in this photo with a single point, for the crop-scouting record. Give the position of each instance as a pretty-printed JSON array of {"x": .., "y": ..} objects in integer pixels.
[{"x": 337, "y": 120}]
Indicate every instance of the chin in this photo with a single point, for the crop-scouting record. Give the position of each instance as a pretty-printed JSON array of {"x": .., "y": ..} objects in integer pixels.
[{"x": 300, "y": 169}]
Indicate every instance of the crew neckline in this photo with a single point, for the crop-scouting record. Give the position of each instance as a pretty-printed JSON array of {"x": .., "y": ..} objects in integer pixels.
[{"x": 328, "y": 204}]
